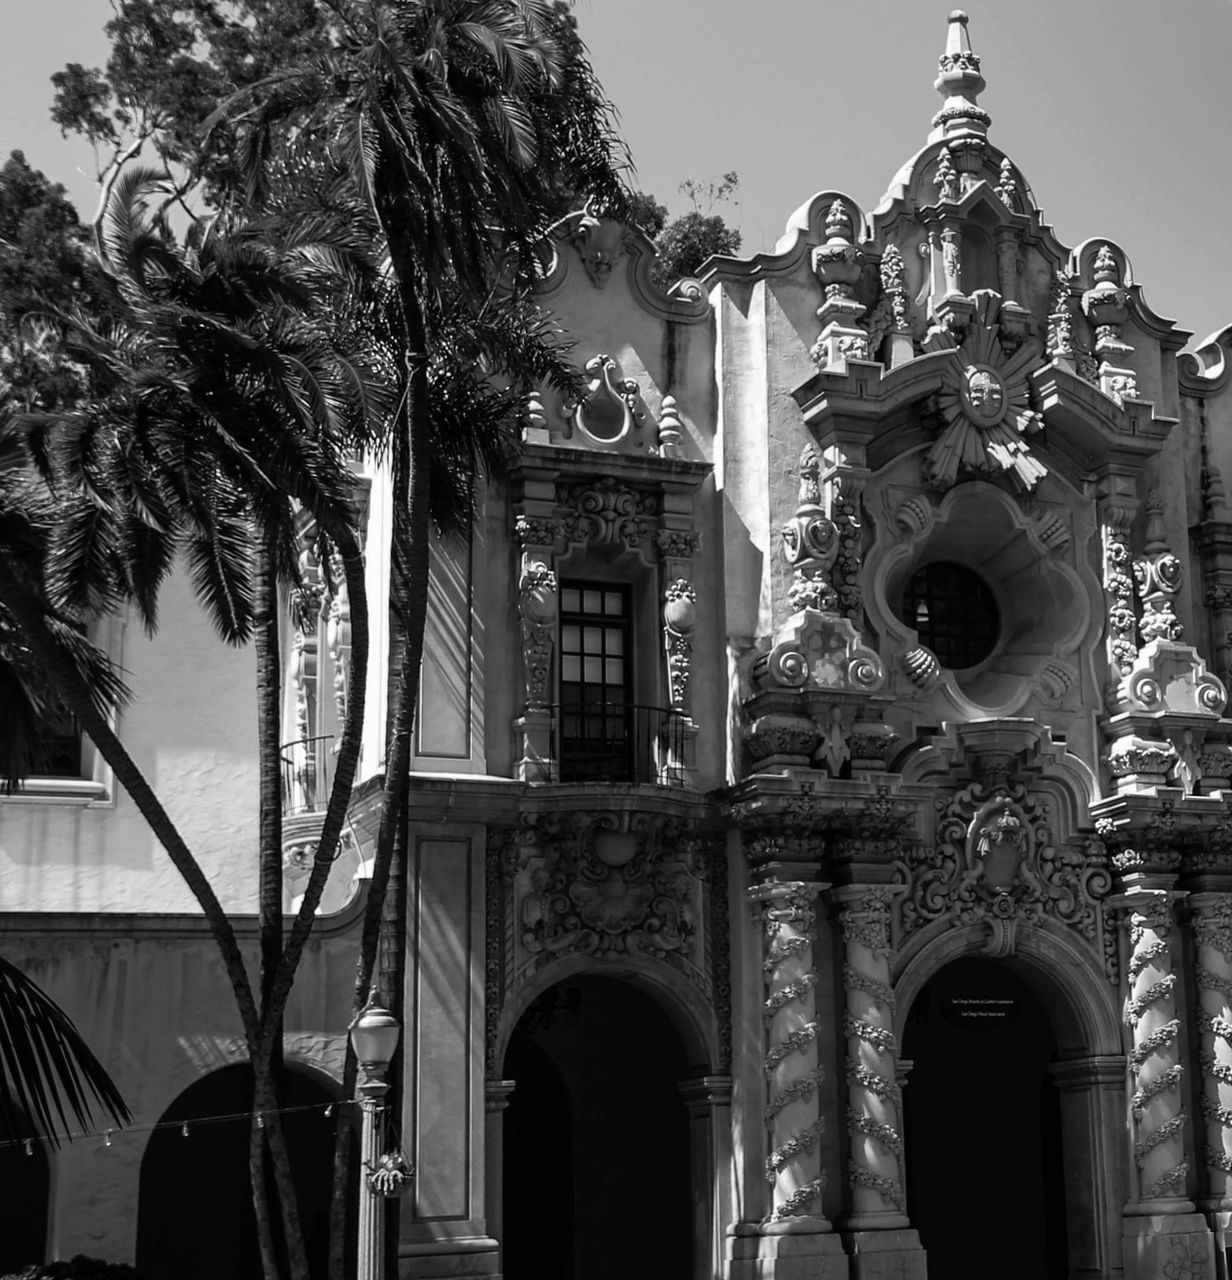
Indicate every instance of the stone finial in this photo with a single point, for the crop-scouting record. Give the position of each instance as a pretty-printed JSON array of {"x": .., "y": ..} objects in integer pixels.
[
  {"x": 671, "y": 429},
  {"x": 960, "y": 84}
]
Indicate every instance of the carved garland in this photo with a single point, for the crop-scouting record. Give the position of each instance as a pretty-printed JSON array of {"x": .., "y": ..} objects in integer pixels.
[
  {"x": 1150, "y": 1013},
  {"x": 873, "y": 1095},
  {"x": 1212, "y": 930},
  {"x": 791, "y": 1061}
]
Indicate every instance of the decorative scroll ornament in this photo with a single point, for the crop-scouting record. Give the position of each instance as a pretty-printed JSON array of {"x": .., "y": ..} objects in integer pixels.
[
  {"x": 811, "y": 542},
  {"x": 985, "y": 404},
  {"x": 537, "y": 607},
  {"x": 611, "y": 407},
  {"x": 1158, "y": 577},
  {"x": 610, "y": 887},
  {"x": 995, "y": 861},
  {"x": 679, "y": 619},
  {"x": 600, "y": 243},
  {"x": 607, "y": 512}
]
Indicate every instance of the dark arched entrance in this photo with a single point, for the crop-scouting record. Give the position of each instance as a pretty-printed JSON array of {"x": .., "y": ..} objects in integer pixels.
[
  {"x": 982, "y": 1120},
  {"x": 26, "y": 1183},
  {"x": 195, "y": 1218},
  {"x": 596, "y": 1139}
]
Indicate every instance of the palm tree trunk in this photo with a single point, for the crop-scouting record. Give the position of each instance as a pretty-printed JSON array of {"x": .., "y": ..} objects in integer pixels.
[
  {"x": 27, "y": 611},
  {"x": 384, "y": 932}
]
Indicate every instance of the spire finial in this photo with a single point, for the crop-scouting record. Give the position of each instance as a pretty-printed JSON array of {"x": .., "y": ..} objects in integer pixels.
[{"x": 960, "y": 84}]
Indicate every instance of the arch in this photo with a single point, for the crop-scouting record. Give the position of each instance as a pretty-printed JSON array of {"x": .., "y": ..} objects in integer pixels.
[
  {"x": 684, "y": 1005},
  {"x": 209, "y": 1164},
  {"x": 25, "y": 1206},
  {"x": 1052, "y": 963},
  {"x": 597, "y": 1068}
]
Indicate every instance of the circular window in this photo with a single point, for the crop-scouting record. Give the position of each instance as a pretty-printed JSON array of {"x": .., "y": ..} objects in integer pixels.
[{"x": 954, "y": 613}]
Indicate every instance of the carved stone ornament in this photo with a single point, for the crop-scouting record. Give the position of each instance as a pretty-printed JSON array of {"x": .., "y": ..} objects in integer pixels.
[
  {"x": 995, "y": 861},
  {"x": 1007, "y": 186},
  {"x": 618, "y": 887},
  {"x": 820, "y": 651},
  {"x": 538, "y": 608},
  {"x": 600, "y": 243},
  {"x": 679, "y": 620},
  {"x": 606, "y": 512},
  {"x": 985, "y": 404},
  {"x": 611, "y": 408},
  {"x": 838, "y": 263},
  {"x": 946, "y": 178}
]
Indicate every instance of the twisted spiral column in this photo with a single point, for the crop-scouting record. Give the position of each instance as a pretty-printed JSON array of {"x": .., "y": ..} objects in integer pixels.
[
  {"x": 793, "y": 1118},
  {"x": 1150, "y": 1012},
  {"x": 873, "y": 1094},
  {"x": 1211, "y": 922}
]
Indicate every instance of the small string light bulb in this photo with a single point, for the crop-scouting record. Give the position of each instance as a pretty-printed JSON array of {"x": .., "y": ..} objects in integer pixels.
[
  {"x": 329, "y": 1111},
  {"x": 29, "y": 1146},
  {"x": 107, "y": 1137},
  {"x": 260, "y": 1121},
  {"x": 184, "y": 1130}
]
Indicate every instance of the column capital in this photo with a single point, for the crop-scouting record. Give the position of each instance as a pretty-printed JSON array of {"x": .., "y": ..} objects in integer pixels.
[
  {"x": 496, "y": 1094},
  {"x": 705, "y": 1092},
  {"x": 1075, "y": 1075}
]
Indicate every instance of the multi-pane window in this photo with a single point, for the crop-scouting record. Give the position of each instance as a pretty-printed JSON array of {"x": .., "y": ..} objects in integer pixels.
[
  {"x": 954, "y": 612},
  {"x": 63, "y": 740},
  {"x": 596, "y": 739}
]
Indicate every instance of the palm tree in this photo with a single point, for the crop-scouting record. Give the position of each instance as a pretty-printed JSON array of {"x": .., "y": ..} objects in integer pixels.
[
  {"x": 460, "y": 121},
  {"x": 46, "y": 1068},
  {"x": 221, "y": 403}
]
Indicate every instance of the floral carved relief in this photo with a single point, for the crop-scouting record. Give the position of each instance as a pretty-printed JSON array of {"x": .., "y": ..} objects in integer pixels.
[{"x": 995, "y": 861}]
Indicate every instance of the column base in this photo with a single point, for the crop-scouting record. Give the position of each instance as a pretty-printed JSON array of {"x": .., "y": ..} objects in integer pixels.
[
  {"x": 1172, "y": 1244},
  {"x": 894, "y": 1254},
  {"x": 470, "y": 1256},
  {"x": 797, "y": 1250}
]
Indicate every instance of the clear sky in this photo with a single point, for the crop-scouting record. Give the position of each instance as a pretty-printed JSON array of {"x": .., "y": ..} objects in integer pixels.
[{"x": 1118, "y": 112}]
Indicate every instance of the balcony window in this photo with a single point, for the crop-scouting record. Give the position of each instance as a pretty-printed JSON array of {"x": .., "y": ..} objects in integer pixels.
[{"x": 596, "y": 729}]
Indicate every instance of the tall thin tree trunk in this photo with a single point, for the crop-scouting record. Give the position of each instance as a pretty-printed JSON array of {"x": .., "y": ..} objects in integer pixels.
[{"x": 409, "y": 570}]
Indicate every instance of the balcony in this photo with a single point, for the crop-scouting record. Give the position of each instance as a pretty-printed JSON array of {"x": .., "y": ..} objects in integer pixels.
[
  {"x": 307, "y": 771},
  {"x": 618, "y": 742}
]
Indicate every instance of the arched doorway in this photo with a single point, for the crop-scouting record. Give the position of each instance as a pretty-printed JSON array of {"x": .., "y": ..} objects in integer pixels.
[
  {"x": 982, "y": 1126},
  {"x": 596, "y": 1138},
  {"x": 195, "y": 1218},
  {"x": 25, "y": 1175}
]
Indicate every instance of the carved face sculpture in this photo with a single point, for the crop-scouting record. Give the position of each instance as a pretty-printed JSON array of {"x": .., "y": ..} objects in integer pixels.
[{"x": 983, "y": 394}]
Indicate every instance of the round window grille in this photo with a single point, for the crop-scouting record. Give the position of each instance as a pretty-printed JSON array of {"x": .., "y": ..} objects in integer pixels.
[{"x": 954, "y": 613}]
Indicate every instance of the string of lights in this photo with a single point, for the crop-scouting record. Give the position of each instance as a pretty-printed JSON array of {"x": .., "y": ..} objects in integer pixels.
[{"x": 185, "y": 1127}]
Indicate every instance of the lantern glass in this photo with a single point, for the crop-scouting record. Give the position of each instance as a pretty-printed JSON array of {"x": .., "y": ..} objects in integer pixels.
[{"x": 374, "y": 1036}]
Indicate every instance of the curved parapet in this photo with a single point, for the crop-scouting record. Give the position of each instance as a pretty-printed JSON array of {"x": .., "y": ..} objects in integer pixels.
[
  {"x": 1207, "y": 370},
  {"x": 603, "y": 248}
]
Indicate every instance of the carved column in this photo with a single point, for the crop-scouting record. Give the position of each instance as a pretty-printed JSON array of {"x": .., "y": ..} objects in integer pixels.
[
  {"x": 1115, "y": 518},
  {"x": 1157, "y": 1104},
  {"x": 1211, "y": 923},
  {"x": 538, "y": 605},
  {"x": 675, "y": 747},
  {"x": 873, "y": 1095},
  {"x": 793, "y": 1167}
]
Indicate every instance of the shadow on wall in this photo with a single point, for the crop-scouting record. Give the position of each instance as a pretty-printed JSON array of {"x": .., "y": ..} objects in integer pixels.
[{"x": 195, "y": 1217}]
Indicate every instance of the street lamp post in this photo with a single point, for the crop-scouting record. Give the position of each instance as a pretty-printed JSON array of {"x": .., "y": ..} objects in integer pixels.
[{"x": 374, "y": 1037}]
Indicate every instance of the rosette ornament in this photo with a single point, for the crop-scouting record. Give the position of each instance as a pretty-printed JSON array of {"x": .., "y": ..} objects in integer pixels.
[{"x": 985, "y": 404}]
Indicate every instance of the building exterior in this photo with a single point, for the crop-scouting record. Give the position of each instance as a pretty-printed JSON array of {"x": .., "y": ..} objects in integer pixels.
[{"x": 822, "y": 860}]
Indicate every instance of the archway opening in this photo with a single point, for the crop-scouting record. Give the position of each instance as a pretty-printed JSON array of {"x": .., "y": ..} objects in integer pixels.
[
  {"x": 596, "y": 1138},
  {"x": 183, "y": 1174},
  {"x": 25, "y": 1175},
  {"x": 982, "y": 1126}
]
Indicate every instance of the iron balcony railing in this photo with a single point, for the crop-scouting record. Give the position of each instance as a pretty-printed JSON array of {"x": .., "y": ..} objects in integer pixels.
[
  {"x": 618, "y": 742},
  {"x": 307, "y": 771}
]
